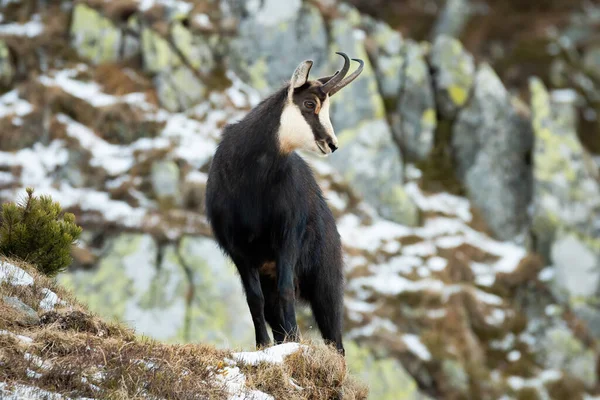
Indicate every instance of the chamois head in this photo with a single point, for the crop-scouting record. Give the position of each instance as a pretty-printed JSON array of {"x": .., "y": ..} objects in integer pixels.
[{"x": 305, "y": 122}]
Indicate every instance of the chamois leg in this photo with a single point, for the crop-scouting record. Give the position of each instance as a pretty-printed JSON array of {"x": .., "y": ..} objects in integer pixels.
[
  {"x": 327, "y": 305},
  {"x": 256, "y": 303},
  {"x": 287, "y": 298},
  {"x": 273, "y": 313}
]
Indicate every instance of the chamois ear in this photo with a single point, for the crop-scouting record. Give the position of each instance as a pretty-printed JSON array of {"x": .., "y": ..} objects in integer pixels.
[{"x": 300, "y": 76}]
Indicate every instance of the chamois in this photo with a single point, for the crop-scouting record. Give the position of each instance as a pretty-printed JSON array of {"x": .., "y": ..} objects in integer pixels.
[{"x": 268, "y": 213}]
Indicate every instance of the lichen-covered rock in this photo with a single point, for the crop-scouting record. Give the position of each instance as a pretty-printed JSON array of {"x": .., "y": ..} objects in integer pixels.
[
  {"x": 269, "y": 47},
  {"x": 97, "y": 39},
  {"x": 454, "y": 71},
  {"x": 415, "y": 117},
  {"x": 371, "y": 163},
  {"x": 7, "y": 71},
  {"x": 178, "y": 87},
  {"x": 175, "y": 294},
  {"x": 566, "y": 206},
  {"x": 388, "y": 379},
  {"x": 360, "y": 100},
  {"x": 490, "y": 141},
  {"x": 561, "y": 349},
  {"x": 218, "y": 313},
  {"x": 385, "y": 48},
  {"x": 129, "y": 285},
  {"x": 567, "y": 196}
]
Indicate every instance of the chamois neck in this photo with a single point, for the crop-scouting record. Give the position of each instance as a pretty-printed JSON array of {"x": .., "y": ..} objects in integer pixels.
[{"x": 261, "y": 126}]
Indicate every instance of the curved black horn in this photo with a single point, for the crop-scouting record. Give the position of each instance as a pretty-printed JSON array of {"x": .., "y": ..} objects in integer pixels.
[
  {"x": 338, "y": 76},
  {"x": 348, "y": 79}
]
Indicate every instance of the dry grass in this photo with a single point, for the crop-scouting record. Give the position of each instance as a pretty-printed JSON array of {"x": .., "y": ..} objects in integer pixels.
[
  {"x": 319, "y": 370},
  {"x": 76, "y": 353}
]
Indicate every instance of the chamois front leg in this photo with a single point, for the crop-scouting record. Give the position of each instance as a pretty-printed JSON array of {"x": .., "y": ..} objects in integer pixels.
[
  {"x": 286, "y": 291},
  {"x": 256, "y": 302}
]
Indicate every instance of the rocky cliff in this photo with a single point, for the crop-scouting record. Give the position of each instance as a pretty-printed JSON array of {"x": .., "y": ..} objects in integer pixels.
[{"x": 469, "y": 211}]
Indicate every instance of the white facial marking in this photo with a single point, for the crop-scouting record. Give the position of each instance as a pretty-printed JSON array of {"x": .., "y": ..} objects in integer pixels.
[
  {"x": 294, "y": 131},
  {"x": 326, "y": 121}
]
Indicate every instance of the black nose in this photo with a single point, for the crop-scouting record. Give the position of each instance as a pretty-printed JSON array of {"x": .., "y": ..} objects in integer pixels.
[{"x": 332, "y": 146}]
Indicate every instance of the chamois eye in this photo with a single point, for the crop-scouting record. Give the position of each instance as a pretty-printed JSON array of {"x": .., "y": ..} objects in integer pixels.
[{"x": 309, "y": 104}]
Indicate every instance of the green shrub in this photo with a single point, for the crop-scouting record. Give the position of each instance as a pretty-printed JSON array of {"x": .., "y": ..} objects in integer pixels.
[{"x": 37, "y": 231}]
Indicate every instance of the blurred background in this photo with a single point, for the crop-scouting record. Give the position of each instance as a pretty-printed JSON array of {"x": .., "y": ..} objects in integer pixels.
[{"x": 466, "y": 187}]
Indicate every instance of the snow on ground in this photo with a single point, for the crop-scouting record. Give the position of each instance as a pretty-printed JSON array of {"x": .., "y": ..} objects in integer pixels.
[
  {"x": 275, "y": 354},
  {"x": 11, "y": 104},
  {"x": 31, "y": 28},
  {"x": 415, "y": 346},
  {"x": 49, "y": 301},
  {"x": 14, "y": 275}
]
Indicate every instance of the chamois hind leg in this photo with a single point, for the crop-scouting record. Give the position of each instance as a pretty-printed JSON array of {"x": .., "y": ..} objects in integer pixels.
[
  {"x": 256, "y": 301},
  {"x": 273, "y": 313},
  {"x": 327, "y": 303},
  {"x": 287, "y": 298}
]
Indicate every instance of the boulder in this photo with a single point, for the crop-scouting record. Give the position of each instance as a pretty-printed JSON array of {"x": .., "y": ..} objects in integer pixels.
[
  {"x": 177, "y": 65},
  {"x": 97, "y": 39},
  {"x": 129, "y": 285},
  {"x": 273, "y": 39},
  {"x": 360, "y": 100},
  {"x": 453, "y": 18},
  {"x": 415, "y": 118},
  {"x": 566, "y": 210},
  {"x": 490, "y": 143},
  {"x": 567, "y": 193},
  {"x": 454, "y": 71},
  {"x": 218, "y": 312},
  {"x": 386, "y": 49},
  {"x": 371, "y": 162}
]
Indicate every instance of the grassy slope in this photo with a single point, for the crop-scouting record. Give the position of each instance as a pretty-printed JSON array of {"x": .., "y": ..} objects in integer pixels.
[{"x": 75, "y": 353}]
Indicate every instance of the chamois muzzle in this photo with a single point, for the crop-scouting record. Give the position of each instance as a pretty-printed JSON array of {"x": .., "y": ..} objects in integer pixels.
[{"x": 339, "y": 80}]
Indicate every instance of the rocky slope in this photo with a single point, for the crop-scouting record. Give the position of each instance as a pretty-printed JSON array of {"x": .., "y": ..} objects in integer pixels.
[
  {"x": 54, "y": 348},
  {"x": 469, "y": 215}
]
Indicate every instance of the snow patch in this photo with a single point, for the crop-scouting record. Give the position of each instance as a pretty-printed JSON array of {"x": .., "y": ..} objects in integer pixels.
[
  {"x": 275, "y": 354},
  {"x": 415, "y": 346},
  {"x": 14, "y": 275},
  {"x": 30, "y": 29},
  {"x": 49, "y": 301}
]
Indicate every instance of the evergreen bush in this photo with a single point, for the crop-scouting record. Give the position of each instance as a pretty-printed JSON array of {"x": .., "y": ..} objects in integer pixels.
[{"x": 37, "y": 231}]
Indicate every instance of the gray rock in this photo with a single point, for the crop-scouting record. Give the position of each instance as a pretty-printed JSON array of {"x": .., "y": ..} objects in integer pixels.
[
  {"x": 567, "y": 192},
  {"x": 27, "y": 315},
  {"x": 267, "y": 48},
  {"x": 129, "y": 285},
  {"x": 96, "y": 38},
  {"x": 7, "y": 71},
  {"x": 490, "y": 142},
  {"x": 577, "y": 267},
  {"x": 452, "y": 19},
  {"x": 370, "y": 161},
  {"x": 165, "y": 181},
  {"x": 560, "y": 349},
  {"x": 386, "y": 48},
  {"x": 360, "y": 100},
  {"x": 454, "y": 70},
  {"x": 415, "y": 118},
  {"x": 178, "y": 87},
  {"x": 218, "y": 313}
]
